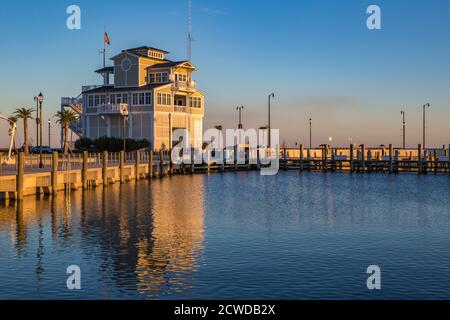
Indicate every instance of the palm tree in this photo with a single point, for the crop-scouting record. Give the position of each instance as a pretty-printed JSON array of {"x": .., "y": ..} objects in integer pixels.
[
  {"x": 12, "y": 120},
  {"x": 24, "y": 114},
  {"x": 65, "y": 118}
]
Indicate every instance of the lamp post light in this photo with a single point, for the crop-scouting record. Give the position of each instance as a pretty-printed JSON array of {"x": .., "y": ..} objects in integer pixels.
[
  {"x": 425, "y": 106},
  {"x": 271, "y": 96},
  {"x": 40, "y": 100},
  {"x": 240, "y": 126},
  {"x": 404, "y": 128}
]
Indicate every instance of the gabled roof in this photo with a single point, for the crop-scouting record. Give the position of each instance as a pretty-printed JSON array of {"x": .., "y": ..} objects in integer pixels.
[{"x": 184, "y": 63}]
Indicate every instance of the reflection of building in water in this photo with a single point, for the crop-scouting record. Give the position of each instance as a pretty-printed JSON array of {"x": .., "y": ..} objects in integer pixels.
[
  {"x": 141, "y": 237},
  {"x": 150, "y": 235},
  {"x": 177, "y": 238}
]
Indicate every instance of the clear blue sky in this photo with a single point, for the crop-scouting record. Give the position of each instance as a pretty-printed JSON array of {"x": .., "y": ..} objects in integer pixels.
[{"x": 316, "y": 55}]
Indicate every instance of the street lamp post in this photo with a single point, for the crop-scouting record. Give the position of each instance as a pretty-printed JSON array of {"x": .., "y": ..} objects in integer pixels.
[
  {"x": 49, "y": 132},
  {"x": 425, "y": 106},
  {"x": 125, "y": 119},
  {"x": 404, "y": 128},
  {"x": 272, "y": 95},
  {"x": 40, "y": 99},
  {"x": 37, "y": 119},
  {"x": 310, "y": 133},
  {"x": 240, "y": 126},
  {"x": 170, "y": 132}
]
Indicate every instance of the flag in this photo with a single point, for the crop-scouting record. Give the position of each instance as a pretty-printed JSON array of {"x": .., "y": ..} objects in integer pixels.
[{"x": 106, "y": 39}]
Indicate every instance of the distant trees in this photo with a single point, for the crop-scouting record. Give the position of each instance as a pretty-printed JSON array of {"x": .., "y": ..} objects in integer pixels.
[{"x": 110, "y": 144}]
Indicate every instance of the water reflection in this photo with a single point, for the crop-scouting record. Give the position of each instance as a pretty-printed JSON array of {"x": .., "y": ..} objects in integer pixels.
[
  {"x": 177, "y": 238},
  {"x": 282, "y": 237},
  {"x": 146, "y": 238}
]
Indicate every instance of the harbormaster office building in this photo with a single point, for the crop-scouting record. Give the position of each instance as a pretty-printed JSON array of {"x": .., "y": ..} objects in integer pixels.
[{"x": 157, "y": 94}]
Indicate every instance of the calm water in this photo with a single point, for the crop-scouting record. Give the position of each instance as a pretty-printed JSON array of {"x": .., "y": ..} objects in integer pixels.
[{"x": 234, "y": 236}]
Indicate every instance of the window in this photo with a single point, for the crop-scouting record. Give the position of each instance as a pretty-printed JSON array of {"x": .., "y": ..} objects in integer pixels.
[
  {"x": 117, "y": 98},
  {"x": 164, "y": 99},
  {"x": 96, "y": 100},
  {"x": 158, "y": 77},
  {"x": 195, "y": 102},
  {"x": 156, "y": 54},
  {"x": 142, "y": 99},
  {"x": 180, "y": 77}
]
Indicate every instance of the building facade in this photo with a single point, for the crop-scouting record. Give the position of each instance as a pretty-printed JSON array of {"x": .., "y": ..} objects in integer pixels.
[{"x": 149, "y": 98}]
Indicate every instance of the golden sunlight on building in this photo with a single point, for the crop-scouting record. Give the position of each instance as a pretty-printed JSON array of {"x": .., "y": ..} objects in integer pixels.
[{"x": 150, "y": 98}]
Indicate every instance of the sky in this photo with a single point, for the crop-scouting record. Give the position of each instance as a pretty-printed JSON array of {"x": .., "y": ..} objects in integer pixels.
[{"x": 317, "y": 56}]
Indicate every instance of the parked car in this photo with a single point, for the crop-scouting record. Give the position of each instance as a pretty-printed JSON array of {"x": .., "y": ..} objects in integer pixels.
[{"x": 45, "y": 150}]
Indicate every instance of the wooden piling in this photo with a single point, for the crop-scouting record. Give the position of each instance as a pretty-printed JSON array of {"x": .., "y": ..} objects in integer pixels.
[
  {"x": 150, "y": 163},
  {"x": 235, "y": 158},
  {"x": 448, "y": 160},
  {"x": 170, "y": 163},
  {"x": 54, "y": 173},
  {"x": 391, "y": 163},
  {"x": 224, "y": 158},
  {"x": 105, "y": 169},
  {"x": 419, "y": 161},
  {"x": 161, "y": 163},
  {"x": 363, "y": 158},
  {"x": 325, "y": 158},
  {"x": 136, "y": 165},
  {"x": 352, "y": 160},
  {"x": 20, "y": 175},
  {"x": 84, "y": 168},
  {"x": 122, "y": 166},
  {"x": 300, "y": 162},
  {"x": 192, "y": 161}
]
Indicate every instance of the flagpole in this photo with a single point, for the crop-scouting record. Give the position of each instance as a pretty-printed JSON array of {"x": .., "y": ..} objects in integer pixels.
[{"x": 104, "y": 49}]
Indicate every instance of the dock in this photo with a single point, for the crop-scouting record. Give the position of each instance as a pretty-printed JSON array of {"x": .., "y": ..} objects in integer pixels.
[{"x": 24, "y": 176}]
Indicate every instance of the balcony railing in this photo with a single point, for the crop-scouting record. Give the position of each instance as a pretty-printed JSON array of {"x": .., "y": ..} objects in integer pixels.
[
  {"x": 117, "y": 108},
  {"x": 184, "y": 85},
  {"x": 180, "y": 109}
]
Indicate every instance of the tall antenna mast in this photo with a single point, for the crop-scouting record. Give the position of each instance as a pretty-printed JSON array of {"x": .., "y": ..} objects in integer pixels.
[{"x": 189, "y": 39}]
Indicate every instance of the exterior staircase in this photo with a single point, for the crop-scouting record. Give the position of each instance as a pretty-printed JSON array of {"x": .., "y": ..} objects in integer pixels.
[{"x": 76, "y": 105}]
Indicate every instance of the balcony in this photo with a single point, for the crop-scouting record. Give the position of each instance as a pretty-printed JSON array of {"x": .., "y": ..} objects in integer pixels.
[
  {"x": 184, "y": 85},
  {"x": 184, "y": 109},
  {"x": 113, "y": 109}
]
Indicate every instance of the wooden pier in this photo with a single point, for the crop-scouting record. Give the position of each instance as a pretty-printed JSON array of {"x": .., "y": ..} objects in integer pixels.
[{"x": 24, "y": 177}]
